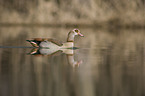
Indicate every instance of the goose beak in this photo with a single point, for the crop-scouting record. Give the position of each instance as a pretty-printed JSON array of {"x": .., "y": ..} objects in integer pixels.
[{"x": 80, "y": 34}]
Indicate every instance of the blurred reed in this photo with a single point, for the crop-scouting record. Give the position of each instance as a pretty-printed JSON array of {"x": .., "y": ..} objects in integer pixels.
[{"x": 73, "y": 12}]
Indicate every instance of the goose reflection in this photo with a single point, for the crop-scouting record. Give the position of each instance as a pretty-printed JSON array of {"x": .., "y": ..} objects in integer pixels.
[{"x": 52, "y": 52}]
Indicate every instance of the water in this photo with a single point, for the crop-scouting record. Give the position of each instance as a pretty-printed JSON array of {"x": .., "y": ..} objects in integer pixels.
[{"x": 111, "y": 63}]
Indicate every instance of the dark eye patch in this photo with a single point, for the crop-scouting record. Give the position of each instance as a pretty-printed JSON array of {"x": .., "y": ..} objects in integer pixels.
[{"x": 76, "y": 31}]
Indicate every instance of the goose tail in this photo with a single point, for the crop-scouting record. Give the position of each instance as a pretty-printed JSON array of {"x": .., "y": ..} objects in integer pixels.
[{"x": 33, "y": 43}]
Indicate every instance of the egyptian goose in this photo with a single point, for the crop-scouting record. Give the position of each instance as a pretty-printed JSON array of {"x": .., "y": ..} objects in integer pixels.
[{"x": 54, "y": 44}]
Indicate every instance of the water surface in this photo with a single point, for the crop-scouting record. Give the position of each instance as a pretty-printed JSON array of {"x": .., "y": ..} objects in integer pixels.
[{"x": 112, "y": 64}]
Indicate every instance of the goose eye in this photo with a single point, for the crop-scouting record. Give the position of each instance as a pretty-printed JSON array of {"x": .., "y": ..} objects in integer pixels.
[{"x": 76, "y": 31}]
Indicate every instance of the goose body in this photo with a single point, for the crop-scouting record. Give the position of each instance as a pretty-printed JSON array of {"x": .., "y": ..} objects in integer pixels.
[{"x": 54, "y": 44}]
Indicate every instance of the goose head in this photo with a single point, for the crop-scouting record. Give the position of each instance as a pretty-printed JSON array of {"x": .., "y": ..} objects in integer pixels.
[
  {"x": 77, "y": 32},
  {"x": 73, "y": 33}
]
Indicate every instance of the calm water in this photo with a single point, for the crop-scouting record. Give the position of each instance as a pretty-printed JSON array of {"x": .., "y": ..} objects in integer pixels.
[{"x": 112, "y": 64}]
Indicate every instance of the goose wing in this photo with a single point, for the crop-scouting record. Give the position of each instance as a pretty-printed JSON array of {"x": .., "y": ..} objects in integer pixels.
[{"x": 55, "y": 41}]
